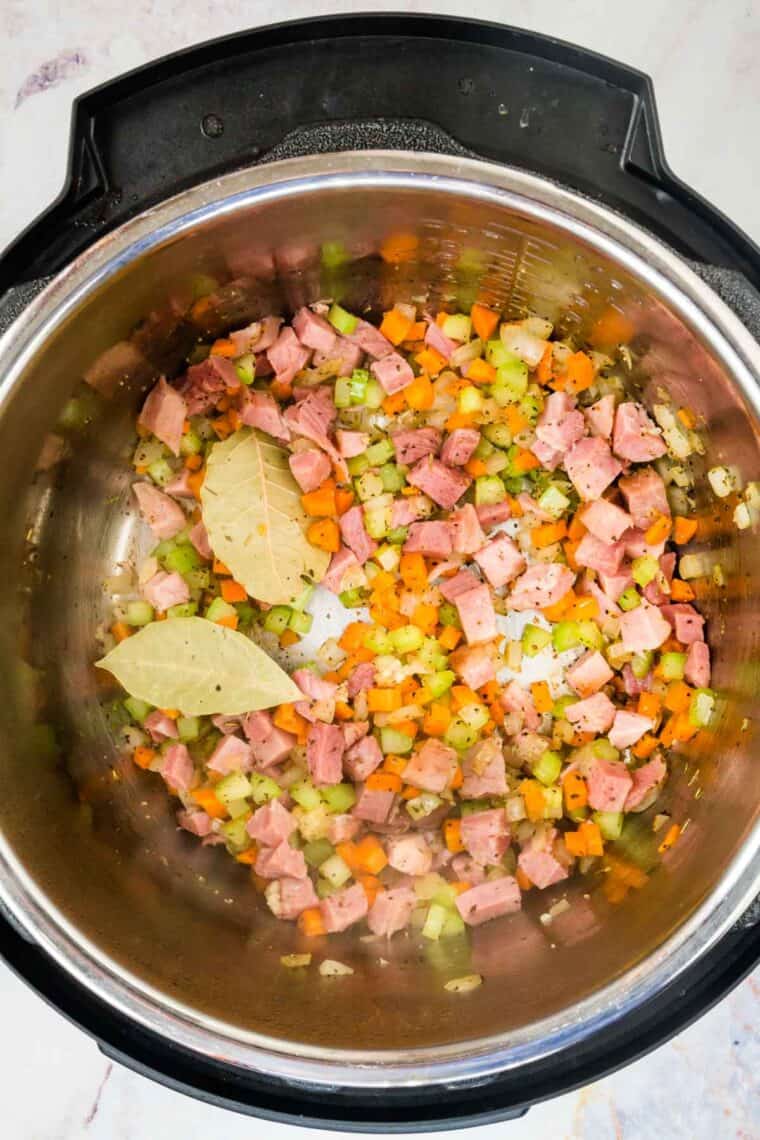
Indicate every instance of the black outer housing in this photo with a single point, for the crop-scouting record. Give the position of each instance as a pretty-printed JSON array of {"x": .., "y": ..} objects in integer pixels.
[{"x": 404, "y": 81}]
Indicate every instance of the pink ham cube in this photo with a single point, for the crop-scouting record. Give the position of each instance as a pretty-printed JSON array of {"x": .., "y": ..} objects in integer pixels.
[
  {"x": 344, "y": 908},
  {"x": 433, "y": 539},
  {"x": 261, "y": 410},
  {"x": 363, "y": 758},
  {"x": 589, "y": 673},
  {"x": 177, "y": 768},
  {"x": 643, "y": 628},
  {"x": 287, "y": 355},
  {"x": 591, "y": 467},
  {"x": 484, "y": 770},
  {"x": 271, "y": 824},
  {"x": 164, "y": 413},
  {"x": 432, "y": 767},
  {"x": 324, "y": 754},
  {"x": 604, "y": 557},
  {"x": 281, "y": 862},
  {"x": 287, "y": 898},
  {"x": 393, "y": 373},
  {"x": 606, "y": 521},
  {"x": 646, "y": 783},
  {"x": 415, "y": 444},
  {"x": 445, "y": 485},
  {"x": 354, "y": 534},
  {"x": 309, "y": 468},
  {"x": 466, "y": 532},
  {"x": 373, "y": 805},
  {"x": 592, "y": 714},
  {"x": 164, "y": 517},
  {"x": 391, "y": 910},
  {"x": 500, "y": 560},
  {"x": 166, "y": 590},
  {"x": 314, "y": 331},
  {"x": 485, "y": 835},
  {"x": 635, "y": 436},
  {"x": 541, "y": 868},
  {"x": 601, "y": 416},
  {"x": 477, "y": 615},
  {"x": 560, "y": 424},
  {"x": 230, "y": 755},
  {"x": 644, "y": 493},
  {"x": 459, "y": 446},
  {"x": 609, "y": 783},
  {"x": 697, "y": 667},
  {"x": 352, "y": 443},
  {"x": 540, "y": 586},
  {"x": 410, "y": 855},
  {"x": 474, "y": 664},
  {"x": 489, "y": 900},
  {"x": 627, "y": 728}
]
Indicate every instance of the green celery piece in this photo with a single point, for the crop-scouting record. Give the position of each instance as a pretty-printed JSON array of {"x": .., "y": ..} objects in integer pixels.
[
  {"x": 629, "y": 599},
  {"x": 672, "y": 666},
  {"x": 358, "y": 381},
  {"x": 342, "y": 392},
  {"x": 374, "y": 394},
  {"x": 534, "y": 639},
  {"x": 220, "y": 609},
  {"x": 183, "y": 609},
  {"x": 484, "y": 450},
  {"x": 351, "y": 599},
  {"x": 565, "y": 635},
  {"x": 235, "y": 786},
  {"x": 305, "y": 794},
  {"x": 423, "y": 805},
  {"x": 139, "y": 613},
  {"x": 380, "y": 452},
  {"x": 264, "y": 788},
  {"x": 398, "y": 535},
  {"x": 339, "y": 798},
  {"x": 182, "y": 559},
  {"x": 641, "y": 664},
  {"x": 449, "y": 615},
  {"x": 333, "y": 255},
  {"x": 245, "y": 366},
  {"x": 335, "y": 870},
  {"x": 393, "y": 477},
  {"x": 188, "y": 727},
  {"x": 439, "y": 683},
  {"x": 434, "y": 922},
  {"x": 644, "y": 569},
  {"x": 610, "y": 823},
  {"x": 234, "y": 831},
  {"x": 357, "y": 465},
  {"x": 489, "y": 489},
  {"x": 191, "y": 443},
  {"x": 378, "y": 640},
  {"x": 342, "y": 320},
  {"x": 499, "y": 435},
  {"x": 407, "y": 639},
  {"x": 317, "y": 851},
  {"x": 160, "y": 472},
  {"x": 277, "y": 619},
  {"x": 137, "y": 709},
  {"x": 299, "y": 622},
  {"x": 548, "y": 767},
  {"x": 603, "y": 750},
  {"x": 702, "y": 707},
  {"x": 590, "y": 635},
  {"x": 394, "y": 742},
  {"x": 461, "y": 735}
]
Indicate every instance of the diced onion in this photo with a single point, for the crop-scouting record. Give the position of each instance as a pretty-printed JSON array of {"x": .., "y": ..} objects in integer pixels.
[
  {"x": 724, "y": 480},
  {"x": 332, "y": 969},
  {"x": 537, "y": 326},
  {"x": 694, "y": 566},
  {"x": 742, "y": 516},
  {"x": 466, "y": 352},
  {"x": 528, "y": 347},
  {"x": 463, "y": 985},
  {"x": 674, "y": 433},
  {"x": 295, "y": 961},
  {"x": 330, "y": 654}
]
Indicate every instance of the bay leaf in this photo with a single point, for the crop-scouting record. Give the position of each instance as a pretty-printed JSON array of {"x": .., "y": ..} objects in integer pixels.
[
  {"x": 256, "y": 525},
  {"x": 198, "y": 667}
]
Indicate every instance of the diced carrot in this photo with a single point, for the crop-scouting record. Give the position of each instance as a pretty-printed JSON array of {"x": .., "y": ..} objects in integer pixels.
[
  {"x": 343, "y": 500},
  {"x": 353, "y": 636},
  {"x": 195, "y": 482},
  {"x": 144, "y": 756},
  {"x": 281, "y": 390},
  {"x": 171, "y": 713},
  {"x": 449, "y": 637},
  {"x": 437, "y": 719},
  {"x": 625, "y": 871},
  {"x": 370, "y": 884},
  {"x": 576, "y": 529},
  {"x": 671, "y": 835},
  {"x": 230, "y": 622},
  {"x": 321, "y": 503},
  {"x": 575, "y": 843},
  {"x": 325, "y": 535},
  {"x": 408, "y": 727},
  {"x": 479, "y": 371},
  {"x": 644, "y": 747},
  {"x": 542, "y": 697},
  {"x": 370, "y": 856},
  {"x": 395, "y": 764},
  {"x": 395, "y": 326},
  {"x": 523, "y": 881},
  {"x": 649, "y": 705},
  {"x": 409, "y": 690},
  {"x": 121, "y": 631},
  {"x": 310, "y": 922},
  {"x": 461, "y": 696},
  {"x": 516, "y": 421},
  {"x": 232, "y": 591},
  {"x": 457, "y": 779},
  {"x": 394, "y": 404},
  {"x": 419, "y": 394},
  {"x": 557, "y": 611},
  {"x": 592, "y": 837},
  {"x": 687, "y": 417},
  {"x": 430, "y": 361},
  {"x": 460, "y": 886},
  {"x": 343, "y": 711},
  {"x": 383, "y": 700},
  {"x": 222, "y": 427},
  {"x": 460, "y": 420},
  {"x": 678, "y": 697},
  {"x": 545, "y": 369},
  {"x": 223, "y": 347},
  {"x": 548, "y": 533},
  {"x": 248, "y": 856},
  {"x": 658, "y": 531},
  {"x": 425, "y": 617},
  {"x": 193, "y": 462},
  {"x": 570, "y": 549},
  {"x": 399, "y": 247},
  {"x": 233, "y": 415},
  {"x": 681, "y": 591},
  {"x": 207, "y": 799},
  {"x": 611, "y": 328},
  {"x": 413, "y": 572},
  {"x": 579, "y": 371},
  {"x": 575, "y": 791},
  {"x": 220, "y": 569},
  {"x": 452, "y": 835},
  {"x": 475, "y": 467},
  {"x": 535, "y": 801},
  {"x": 484, "y": 321},
  {"x": 384, "y": 782},
  {"x": 410, "y": 792},
  {"x": 683, "y": 530},
  {"x": 416, "y": 332},
  {"x": 583, "y": 609},
  {"x": 525, "y": 460}
]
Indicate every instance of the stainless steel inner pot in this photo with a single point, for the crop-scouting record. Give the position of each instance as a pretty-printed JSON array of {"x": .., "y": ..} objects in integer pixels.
[{"x": 91, "y": 864}]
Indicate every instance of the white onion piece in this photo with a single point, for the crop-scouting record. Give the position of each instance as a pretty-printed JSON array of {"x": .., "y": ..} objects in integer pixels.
[
  {"x": 528, "y": 347},
  {"x": 465, "y": 353}
]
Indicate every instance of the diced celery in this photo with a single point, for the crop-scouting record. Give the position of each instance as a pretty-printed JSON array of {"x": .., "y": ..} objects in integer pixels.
[
  {"x": 489, "y": 489},
  {"x": 548, "y": 766},
  {"x": 139, "y": 613},
  {"x": 393, "y": 477},
  {"x": 397, "y": 534},
  {"x": 342, "y": 392},
  {"x": 590, "y": 635},
  {"x": 511, "y": 382},
  {"x": 610, "y": 823},
  {"x": 339, "y": 317},
  {"x": 423, "y": 805},
  {"x": 277, "y": 619},
  {"x": 498, "y": 434},
  {"x": 199, "y": 579},
  {"x": 702, "y": 707},
  {"x": 374, "y": 394},
  {"x": 407, "y": 639},
  {"x": 565, "y": 635},
  {"x": 335, "y": 870},
  {"x": 553, "y": 807},
  {"x": 369, "y": 485},
  {"x": 160, "y": 472},
  {"x": 562, "y": 703},
  {"x": 461, "y": 735},
  {"x": 303, "y": 599},
  {"x": 351, "y": 599},
  {"x": 388, "y": 557},
  {"x": 182, "y": 559},
  {"x": 317, "y": 851},
  {"x": 534, "y": 639},
  {"x": 245, "y": 366},
  {"x": 439, "y": 683},
  {"x": 357, "y": 465},
  {"x": 435, "y": 922},
  {"x": 475, "y": 715},
  {"x": 183, "y": 610},
  {"x": 378, "y": 640},
  {"x": 232, "y": 787},
  {"x": 191, "y": 443},
  {"x": 358, "y": 381},
  {"x": 449, "y": 615},
  {"x": 246, "y": 613},
  {"x": 394, "y": 742},
  {"x": 380, "y": 452},
  {"x": 629, "y": 599},
  {"x": 339, "y": 797},
  {"x": 672, "y": 666},
  {"x": 641, "y": 663},
  {"x": 299, "y": 622},
  {"x": 188, "y": 727},
  {"x": 454, "y": 925},
  {"x": 220, "y": 609},
  {"x": 497, "y": 354},
  {"x": 457, "y": 326},
  {"x": 470, "y": 400},
  {"x": 484, "y": 450},
  {"x": 644, "y": 569},
  {"x": 324, "y": 889},
  {"x": 377, "y": 520},
  {"x": 553, "y": 501},
  {"x": 137, "y": 709},
  {"x": 236, "y": 835},
  {"x": 603, "y": 750},
  {"x": 531, "y": 406}
]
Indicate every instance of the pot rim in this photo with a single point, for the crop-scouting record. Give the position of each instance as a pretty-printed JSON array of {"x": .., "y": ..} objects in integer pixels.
[{"x": 664, "y": 274}]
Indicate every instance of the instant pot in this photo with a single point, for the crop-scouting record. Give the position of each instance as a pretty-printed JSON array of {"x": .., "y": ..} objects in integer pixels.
[{"x": 371, "y": 159}]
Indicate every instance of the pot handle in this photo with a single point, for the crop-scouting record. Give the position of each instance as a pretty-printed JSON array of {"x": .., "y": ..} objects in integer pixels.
[{"x": 399, "y": 80}]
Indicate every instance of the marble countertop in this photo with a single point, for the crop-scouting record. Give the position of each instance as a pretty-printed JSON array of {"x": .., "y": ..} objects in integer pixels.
[{"x": 703, "y": 59}]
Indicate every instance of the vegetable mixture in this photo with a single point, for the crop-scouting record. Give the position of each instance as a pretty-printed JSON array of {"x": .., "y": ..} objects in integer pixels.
[{"x": 515, "y": 655}]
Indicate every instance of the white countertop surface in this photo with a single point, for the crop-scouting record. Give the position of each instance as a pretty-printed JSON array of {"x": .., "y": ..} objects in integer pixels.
[{"x": 703, "y": 58}]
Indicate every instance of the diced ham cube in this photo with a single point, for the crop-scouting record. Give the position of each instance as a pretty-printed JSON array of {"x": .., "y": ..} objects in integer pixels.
[
  {"x": 609, "y": 783},
  {"x": 606, "y": 521},
  {"x": 643, "y": 628},
  {"x": 466, "y": 532},
  {"x": 540, "y": 586},
  {"x": 312, "y": 417},
  {"x": 541, "y": 867},
  {"x": 489, "y": 900},
  {"x": 230, "y": 755},
  {"x": 352, "y": 443},
  {"x": 604, "y": 557},
  {"x": 373, "y": 806},
  {"x": 164, "y": 517},
  {"x": 653, "y": 591},
  {"x": 461, "y": 583},
  {"x": 199, "y": 537},
  {"x": 484, "y": 770},
  {"x": 363, "y": 758},
  {"x": 271, "y": 824},
  {"x": 344, "y": 908},
  {"x": 485, "y": 835},
  {"x": 500, "y": 560},
  {"x": 636, "y": 437},
  {"x": 256, "y": 337},
  {"x": 591, "y": 467},
  {"x": 257, "y": 726},
  {"x": 592, "y": 714},
  {"x": 548, "y": 457},
  {"x": 474, "y": 664},
  {"x": 287, "y": 898},
  {"x": 205, "y": 382},
  {"x": 646, "y": 781},
  {"x": 370, "y": 340},
  {"x": 437, "y": 339},
  {"x": 313, "y": 686},
  {"x": 445, "y": 485},
  {"x": 313, "y": 331},
  {"x": 324, "y": 754},
  {"x": 601, "y": 416},
  {"x": 477, "y": 615},
  {"x": 645, "y": 496},
  {"x": 287, "y": 355},
  {"x": 468, "y": 870},
  {"x": 261, "y": 410},
  {"x": 459, "y": 446},
  {"x": 361, "y": 679},
  {"x": 491, "y": 514},
  {"x": 636, "y": 545},
  {"x": 687, "y": 623},
  {"x": 697, "y": 667},
  {"x": 309, "y": 468},
  {"x": 164, "y": 413},
  {"x": 518, "y": 700},
  {"x": 281, "y": 862},
  {"x": 408, "y": 509},
  {"x": 391, "y": 910},
  {"x": 393, "y": 372},
  {"x": 344, "y": 353},
  {"x": 269, "y": 745},
  {"x": 354, "y": 731},
  {"x": 589, "y": 673},
  {"x": 342, "y": 828},
  {"x": 160, "y": 726},
  {"x": 196, "y": 822},
  {"x": 432, "y": 767},
  {"x": 340, "y": 564},
  {"x": 354, "y": 534},
  {"x": 410, "y": 855},
  {"x": 432, "y": 539},
  {"x": 627, "y": 728},
  {"x": 177, "y": 768},
  {"x": 560, "y": 425},
  {"x": 634, "y": 685},
  {"x": 165, "y": 590},
  {"x": 415, "y": 444},
  {"x": 607, "y": 607},
  {"x": 614, "y": 584}
]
